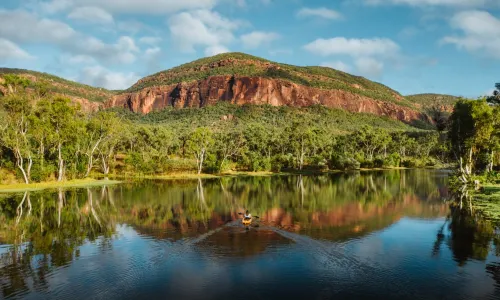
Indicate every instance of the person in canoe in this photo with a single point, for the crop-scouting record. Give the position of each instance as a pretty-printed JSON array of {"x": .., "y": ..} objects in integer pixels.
[{"x": 247, "y": 218}]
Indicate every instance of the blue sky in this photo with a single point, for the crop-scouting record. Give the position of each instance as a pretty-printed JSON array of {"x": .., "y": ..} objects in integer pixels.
[{"x": 413, "y": 46}]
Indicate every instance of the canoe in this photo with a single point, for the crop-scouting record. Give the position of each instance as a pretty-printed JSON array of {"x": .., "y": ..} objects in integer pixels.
[{"x": 246, "y": 221}]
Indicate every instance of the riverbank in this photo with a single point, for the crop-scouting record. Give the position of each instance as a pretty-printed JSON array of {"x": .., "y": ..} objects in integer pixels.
[
  {"x": 115, "y": 179},
  {"x": 488, "y": 202},
  {"x": 22, "y": 187}
]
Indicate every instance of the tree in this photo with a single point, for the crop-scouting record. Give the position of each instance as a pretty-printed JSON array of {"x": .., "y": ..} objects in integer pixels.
[
  {"x": 100, "y": 128},
  {"x": 495, "y": 98},
  {"x": 301, "y": 138},
  {"x": 371, "y": 140},
  {"x": 64, "y": 126},
  {"x": 199, "y": 143},
  {"x": 17, "y": 133},
  {"x": 471, "y": 128},
  {"x": 230, "y": 145}
]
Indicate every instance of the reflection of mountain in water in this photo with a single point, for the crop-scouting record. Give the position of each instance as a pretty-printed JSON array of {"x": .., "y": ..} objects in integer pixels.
[
  {"x": 53, "y": 225},
  {"x": 239, "y": 242}
]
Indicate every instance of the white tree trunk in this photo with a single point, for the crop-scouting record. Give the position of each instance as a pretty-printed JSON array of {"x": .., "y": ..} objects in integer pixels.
[
  {"x": 20, "y": 165},
  {"x": 90, "y": 163},
  {"x": 61, "y": 163}
]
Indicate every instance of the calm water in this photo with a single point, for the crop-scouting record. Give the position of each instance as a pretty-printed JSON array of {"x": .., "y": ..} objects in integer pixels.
[{"x": 362, "y": 235}]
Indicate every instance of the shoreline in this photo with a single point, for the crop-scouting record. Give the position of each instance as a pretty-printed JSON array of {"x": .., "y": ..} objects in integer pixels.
[
  {"x": 117, "y": 179},
  {"x": 23, "y": 187}
]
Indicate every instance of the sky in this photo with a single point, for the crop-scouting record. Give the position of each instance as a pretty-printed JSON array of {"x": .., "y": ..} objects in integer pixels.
[{"x": 413, "y": 46}]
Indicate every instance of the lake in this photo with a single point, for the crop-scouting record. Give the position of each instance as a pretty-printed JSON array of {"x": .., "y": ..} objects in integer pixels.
[{"x": 370, "y": 235}]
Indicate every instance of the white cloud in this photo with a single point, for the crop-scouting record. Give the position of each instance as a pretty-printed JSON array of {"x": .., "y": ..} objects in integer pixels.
[
  {"x": 456, "y": 3},
  {"x": 152, "y": 53},
  {"x": 155, "y": 7},
  {"x": 24, "y": 27},
  {"x": 280, "y": 52},
  {"x": 480, "y": 32},
  {"x": 256, "y": 39},
  {"x": 102, "y": 77},
  {"x": 214, "y": 50},
  {"x": 369, "y": 67},
  {"x": 55, "y": 6},
  {"x": 91, "y": 14},
  {"x": 150, "y": 40},
  {"x": 76, "y": 59},
  {"x": 338, "y": 65},
  {"x": 9, "y": 50},
  {"x": 321, "y": 12},
  {"x": 353, "y": 47},
  {"x": 201, "y": 28}
]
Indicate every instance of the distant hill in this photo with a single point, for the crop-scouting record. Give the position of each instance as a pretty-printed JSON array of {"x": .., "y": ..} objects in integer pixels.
[
  {"x": 428, "y": 100},
  {"x": 62, "y": 86}
]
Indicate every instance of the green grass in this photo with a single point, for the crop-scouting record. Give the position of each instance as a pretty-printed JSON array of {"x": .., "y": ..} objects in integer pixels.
[
  {"x": 65, "y": 87},
  {"x": 22, "y": 187},
  {"x": 246, "y": 65},
  {"x": 488, "y": 202}
]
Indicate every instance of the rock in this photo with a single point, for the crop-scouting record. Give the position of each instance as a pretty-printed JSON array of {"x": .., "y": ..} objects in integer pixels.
[{"x": 242, "y": 90}]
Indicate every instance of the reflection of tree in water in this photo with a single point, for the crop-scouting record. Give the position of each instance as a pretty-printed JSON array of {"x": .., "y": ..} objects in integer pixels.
[
  {"x": 46, "y": 234},
  {"x": 338, "y": 206}
]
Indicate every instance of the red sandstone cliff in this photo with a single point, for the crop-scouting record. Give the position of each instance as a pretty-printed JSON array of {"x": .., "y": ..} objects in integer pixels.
[{"x": 255, "y": 90}]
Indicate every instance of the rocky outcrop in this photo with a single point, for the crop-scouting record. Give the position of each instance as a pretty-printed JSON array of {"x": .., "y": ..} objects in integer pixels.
[{"x": 258, "y": 91}]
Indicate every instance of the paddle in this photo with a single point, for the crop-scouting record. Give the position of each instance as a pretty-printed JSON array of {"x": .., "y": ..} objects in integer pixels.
[{"x": 257, "y": 217}]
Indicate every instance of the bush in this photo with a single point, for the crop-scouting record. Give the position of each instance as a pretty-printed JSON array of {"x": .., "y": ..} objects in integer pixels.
[
  {"x": 378, "y": 163},
  {"x": 368, "y": 164},
  {"x": 180, "y": 166},
  {"x": 344, "y": 163},
  {"x": 409, "y": 163}
]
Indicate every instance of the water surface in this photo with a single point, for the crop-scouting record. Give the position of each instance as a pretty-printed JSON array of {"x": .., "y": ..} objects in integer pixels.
[{"x": 388, "y": 234}]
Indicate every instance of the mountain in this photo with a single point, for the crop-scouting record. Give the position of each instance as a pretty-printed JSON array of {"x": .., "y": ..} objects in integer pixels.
[
  {"x": 240, "y": 79},
  {"x": 90, "y": 98}
]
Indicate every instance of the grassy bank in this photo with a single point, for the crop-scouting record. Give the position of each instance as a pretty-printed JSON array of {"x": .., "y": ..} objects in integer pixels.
[
  {"x": 488, "y": 202},
  {"x": 22, "y": 187}
]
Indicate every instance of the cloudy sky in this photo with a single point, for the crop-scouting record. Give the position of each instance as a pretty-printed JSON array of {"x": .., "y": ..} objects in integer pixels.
[{"x": 413, "y": 46}]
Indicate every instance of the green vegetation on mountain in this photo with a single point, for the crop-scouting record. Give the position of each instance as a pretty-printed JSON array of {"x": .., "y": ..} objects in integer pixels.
[
  {"x": 240, "y": 64},
  {"x": 57, "y": 85},
  {"x": 429, "y": 100}
]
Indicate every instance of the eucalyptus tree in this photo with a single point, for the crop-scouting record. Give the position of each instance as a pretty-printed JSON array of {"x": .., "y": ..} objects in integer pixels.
[
  {"x": 100, "y": 128},
  {"x": 17, "y": 133},
  {"x": 495, "y": 98},
  {"x": 200, "y": 142},
  {"x": 64, "y": 124},
  {"x": 230, "y": 144},
  {"x": 472, "y": 126}
]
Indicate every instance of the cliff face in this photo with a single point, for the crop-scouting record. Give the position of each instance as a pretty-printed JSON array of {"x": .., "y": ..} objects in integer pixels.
[{"x": 255, "y": 90}]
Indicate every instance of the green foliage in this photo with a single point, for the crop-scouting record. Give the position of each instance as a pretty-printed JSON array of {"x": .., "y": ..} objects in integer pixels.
[
  {"x": 429, "y": 100},
  {"x": 56, "y": 140}
]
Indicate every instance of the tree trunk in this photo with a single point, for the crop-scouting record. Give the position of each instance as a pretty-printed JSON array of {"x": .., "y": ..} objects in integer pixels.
[
  {"x": 20, "y": 165},
  {"x": 490, "y": 165},
  {"x": 30, "y": 164},
  {"x": 199, "y": 159},
  {"x": 91, "y": 158},
  {"x": 61, "y": 163}
]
